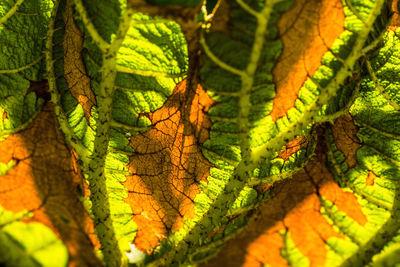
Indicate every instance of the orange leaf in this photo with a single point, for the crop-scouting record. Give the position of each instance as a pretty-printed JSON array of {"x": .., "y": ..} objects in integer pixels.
[
  {"x": 307, "y": 31},
  {"x": 44, "y": 181},
  {"x": 74, "y": 69},
  {"x": 168, "y": 165},
  {"x": 294, "y": 207}
]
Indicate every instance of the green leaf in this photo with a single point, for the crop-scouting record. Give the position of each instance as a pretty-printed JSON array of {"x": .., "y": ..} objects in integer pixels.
[
  {"x": 375, "y": 112},
  {"x": 237, "y": 72},
  {"x": 110, "y": 69},
  {"x": 17, "y": 106},
  {"x": 151, "y": 59},
  {"x": 28, "y": 244},
  {"x": 23, "y": 27}
]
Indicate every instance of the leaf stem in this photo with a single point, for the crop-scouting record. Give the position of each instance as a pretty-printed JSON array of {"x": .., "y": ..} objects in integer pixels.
[
  {"x": 96, "y": 168},
  {"x": 11, "y": 12}
]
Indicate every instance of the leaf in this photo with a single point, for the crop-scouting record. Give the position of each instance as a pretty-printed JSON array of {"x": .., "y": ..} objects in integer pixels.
[
  {"x": 356, "y": 225},
  {"x": 18, "y": 106},
  {"x": 182, "y": 124},
  {"x": 168, "y": 166},
  {"x": 28, "y": 244},
  {"x": 147, "y": 72},
  {"x": 240, "y": 80},
  {"x": 44, "y": 181},
  {"x": 23, "y": 27}
]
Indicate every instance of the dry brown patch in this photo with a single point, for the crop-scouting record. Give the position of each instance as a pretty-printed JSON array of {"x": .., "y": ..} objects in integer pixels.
[
  {"x": 395, "y": 23},
  {"x": 307, "y": 30},
  {"x": 44, "y": 181},
  {"x": 292, "y": 147},
  {"x": 370, "y": 178},
  {"x": 345, "y": 138},
  {"x": 168, "y": 164},
  {"x": 74, "y": 68}
]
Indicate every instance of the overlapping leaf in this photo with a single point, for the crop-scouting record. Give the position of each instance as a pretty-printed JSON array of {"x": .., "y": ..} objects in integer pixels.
[
  {"x": 28, "y": 244},
  {"x": 23, "y": 26},
  {"x": 359, "y": 152},
  {"x": 151, "y": 60},
  {"x": 39, "y": 176},
  {"x": 34, "y": 223},
  {"x": 183, "y": 171},
  {"x": 263, "y": 100}
]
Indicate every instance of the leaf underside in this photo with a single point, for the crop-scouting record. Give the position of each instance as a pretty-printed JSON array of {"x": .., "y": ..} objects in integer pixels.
[{"x": 269, "y": 134}]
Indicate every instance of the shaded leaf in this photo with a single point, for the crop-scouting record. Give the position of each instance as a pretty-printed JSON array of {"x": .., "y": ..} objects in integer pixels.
[
  {"x": 359, "y": 153},
  {"x": 28, "y": 244},
  {"x": 45, "y": 182}
]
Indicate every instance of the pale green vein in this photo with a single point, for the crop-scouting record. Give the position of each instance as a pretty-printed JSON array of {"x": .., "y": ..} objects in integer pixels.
[
  {"x": 373, "y": 44},
  {"x": 392, "y": 160},
  {"x": 215, "y": 246},
  {"x": 253, "y": 181},
  {"x": 11, "y": 12},
  {"x": 354, "y": 11},
  {"x": 390, "y": 135},
  {"x": 246, "y": 86},
  {"x": 17, "y": 217},
  {"x": 216, "y": 60},
  {"x": 103, "y": 221},
  {"x": 129, "y": 127},
  {"x": 343, "y": 111},
  {"x": 149, "y": 73},
  {"x": 219, "y": 157},
  {"x": 23, "y": 67},
  {"x": 379, "y": 88},
  {"x": 248, "y": 9},
  {"x": 242, "y": 210},
  {"x": 99, "y": 41}
]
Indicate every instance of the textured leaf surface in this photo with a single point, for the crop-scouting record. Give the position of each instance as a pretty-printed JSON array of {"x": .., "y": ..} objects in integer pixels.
[
  {"x": 355, "y": 224},
  {"x": 44, "y": 181},
  {"x": 23, "y": 27},
  {"x": 151, "y": 60},
  {"x": 168, "y": 166},
  {"x": 29, "y": 244},
  {"x": 182, "y": 135}
]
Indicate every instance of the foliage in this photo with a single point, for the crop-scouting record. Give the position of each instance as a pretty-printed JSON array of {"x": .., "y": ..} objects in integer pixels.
[{"x": 168, "y": 133}]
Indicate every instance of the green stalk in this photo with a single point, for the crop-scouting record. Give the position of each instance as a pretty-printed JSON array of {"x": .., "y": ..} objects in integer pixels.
[{"x": 96, "y": 173}]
